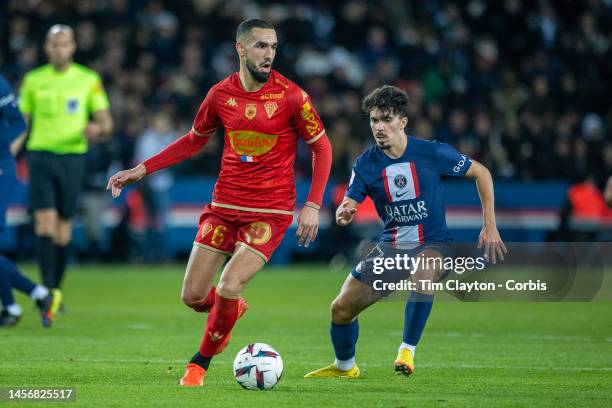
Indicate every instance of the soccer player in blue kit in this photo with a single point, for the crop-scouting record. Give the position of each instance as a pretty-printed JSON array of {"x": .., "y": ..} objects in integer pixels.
[
  {"x": 405, "y": 177},
  {"x": 11, "y": 126}
]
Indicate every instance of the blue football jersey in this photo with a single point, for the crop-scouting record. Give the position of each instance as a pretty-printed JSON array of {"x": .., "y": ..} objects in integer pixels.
[
  {"x": 11, "y": 121},
  {"x": 409, "y": 191}
]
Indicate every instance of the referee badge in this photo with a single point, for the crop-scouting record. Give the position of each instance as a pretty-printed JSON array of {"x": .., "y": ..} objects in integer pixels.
[{"x": 72, "y": 106}]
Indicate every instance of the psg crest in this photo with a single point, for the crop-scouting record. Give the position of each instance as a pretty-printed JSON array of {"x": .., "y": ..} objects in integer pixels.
[{"x": 400, "y": 181}]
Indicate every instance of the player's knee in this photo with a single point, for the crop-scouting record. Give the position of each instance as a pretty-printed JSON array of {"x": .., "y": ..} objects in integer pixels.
[
  {"x": 191, "y": 300},
  {"x": 62, "y": 239},
  {"x": 341, "y": 312},
  {"x": 45, "y": 228},
  {"x": 230, "y": 288}
]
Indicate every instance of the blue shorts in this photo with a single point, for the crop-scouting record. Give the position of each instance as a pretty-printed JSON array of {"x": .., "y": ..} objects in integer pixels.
[{"x": 369, "y": 268}]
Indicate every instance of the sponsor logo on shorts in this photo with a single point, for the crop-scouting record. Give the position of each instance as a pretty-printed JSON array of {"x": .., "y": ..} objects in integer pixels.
[{"x": 259, "y": 233}]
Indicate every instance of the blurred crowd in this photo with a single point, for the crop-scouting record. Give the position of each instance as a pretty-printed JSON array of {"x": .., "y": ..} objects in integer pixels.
[{"x": 521, "y": 85}]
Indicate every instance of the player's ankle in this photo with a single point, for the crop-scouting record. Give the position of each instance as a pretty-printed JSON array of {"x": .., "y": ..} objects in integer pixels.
[
  {"x": 410, "y": 347},
  {"x": 345, "y": 365}
]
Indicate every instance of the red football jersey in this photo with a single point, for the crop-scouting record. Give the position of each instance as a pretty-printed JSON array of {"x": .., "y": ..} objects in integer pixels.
[{"x": 261, "y": 131}]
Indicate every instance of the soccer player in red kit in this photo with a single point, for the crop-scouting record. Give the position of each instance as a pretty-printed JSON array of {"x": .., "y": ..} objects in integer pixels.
[{"x": 263, "y": 114}]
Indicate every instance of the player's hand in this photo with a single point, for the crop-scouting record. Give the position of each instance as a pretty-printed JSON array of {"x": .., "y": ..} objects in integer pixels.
[
  {"x": 494, "y": 247},
  {"x": 93, "y": 131},
  {"x": 308, "y": 225},
  {"x": 125, "y": 178},
  {"x": 344, "y": 214}
]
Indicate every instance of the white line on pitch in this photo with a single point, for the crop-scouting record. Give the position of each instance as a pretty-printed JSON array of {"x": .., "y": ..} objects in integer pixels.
[{"x": 427, "y": 365}]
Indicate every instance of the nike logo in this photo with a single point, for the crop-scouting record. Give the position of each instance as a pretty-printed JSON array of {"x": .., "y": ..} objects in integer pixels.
[{"x": 398, "y": 195}]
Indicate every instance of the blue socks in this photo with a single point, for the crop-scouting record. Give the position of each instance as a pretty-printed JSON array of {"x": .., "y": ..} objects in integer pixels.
[
  {"x": 416, "y": 314},
  {"x": 344, "y": 337},
  {"x": 11, "y": 278},
  {"x": 17, "y": 279}
]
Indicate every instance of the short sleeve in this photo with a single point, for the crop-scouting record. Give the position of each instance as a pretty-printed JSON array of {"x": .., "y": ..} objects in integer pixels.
[
  {"x": 305, "y": 117},
  {"x": 26, "y": 102},
  {"x": 98, "y": 100},
  {"x": 357, "y": 188},
  {"x": 207, "y": 120},
  {"x": 450, "y": 161}
]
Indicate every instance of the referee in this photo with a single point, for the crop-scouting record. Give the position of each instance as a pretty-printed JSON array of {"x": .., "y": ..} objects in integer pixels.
[{"x": 66, "y": 106}]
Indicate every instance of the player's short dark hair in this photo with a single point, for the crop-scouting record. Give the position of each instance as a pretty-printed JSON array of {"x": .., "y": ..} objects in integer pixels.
[
  {"x": 387, "y": 98},
  {"x": 247, "y": 25}
]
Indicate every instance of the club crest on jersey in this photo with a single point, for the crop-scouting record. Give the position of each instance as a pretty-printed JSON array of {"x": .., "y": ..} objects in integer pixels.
[
  {"x": 400, "y": 181},
  {"x": 250, "y": 110},
  {"x": 270, "y": 108}
]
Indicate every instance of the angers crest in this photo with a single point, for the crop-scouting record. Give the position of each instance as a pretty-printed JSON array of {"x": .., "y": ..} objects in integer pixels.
[{"x": 270, "y": 108}]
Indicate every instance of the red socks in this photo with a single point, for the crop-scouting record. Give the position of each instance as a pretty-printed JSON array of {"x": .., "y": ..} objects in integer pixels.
[
  {"x": 208, "y": 302},
  {"x": 219, "y": 324}
]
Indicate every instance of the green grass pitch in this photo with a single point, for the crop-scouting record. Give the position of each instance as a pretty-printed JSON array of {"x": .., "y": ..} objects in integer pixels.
[{"x": 127, "y": 336}]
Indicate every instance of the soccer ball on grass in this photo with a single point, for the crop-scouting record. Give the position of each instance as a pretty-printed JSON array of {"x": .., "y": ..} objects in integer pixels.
[{"x": 258, "y": 367}]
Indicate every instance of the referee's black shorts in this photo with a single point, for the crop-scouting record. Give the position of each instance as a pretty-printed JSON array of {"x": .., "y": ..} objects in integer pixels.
[{"x": 56, "y": 181}]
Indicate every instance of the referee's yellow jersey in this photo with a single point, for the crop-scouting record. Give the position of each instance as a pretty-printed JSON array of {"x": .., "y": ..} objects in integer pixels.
[{"x": 59, "y": 105}]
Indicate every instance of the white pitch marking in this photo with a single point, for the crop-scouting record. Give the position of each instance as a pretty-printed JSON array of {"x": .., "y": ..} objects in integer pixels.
[{"x": 429, "y": 365}]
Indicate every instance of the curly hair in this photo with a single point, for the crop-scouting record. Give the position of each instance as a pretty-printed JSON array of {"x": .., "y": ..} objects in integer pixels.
[{"x": 389, "y": 99}]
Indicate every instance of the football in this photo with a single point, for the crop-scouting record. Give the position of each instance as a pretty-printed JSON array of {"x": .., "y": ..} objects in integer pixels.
[{"x": 258, "y": 367}]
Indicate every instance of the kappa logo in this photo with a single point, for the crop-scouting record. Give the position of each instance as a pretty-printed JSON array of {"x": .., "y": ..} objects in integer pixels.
[
  {"x": 270, "y": 108},
  {"x": 250, "y": 110},
  {"x": 231, "y": 102}
]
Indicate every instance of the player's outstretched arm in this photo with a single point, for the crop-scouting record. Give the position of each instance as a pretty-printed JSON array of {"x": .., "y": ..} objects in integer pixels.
[
  {"x": 346, "y": 211},
  {"x": 124, "y": 178},
  {"x": 177, "y": 151},
  {"x": 489, "y": 237}
]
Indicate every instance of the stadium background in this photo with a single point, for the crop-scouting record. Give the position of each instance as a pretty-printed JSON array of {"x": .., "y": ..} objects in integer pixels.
[{"x": 522, "y": 86}]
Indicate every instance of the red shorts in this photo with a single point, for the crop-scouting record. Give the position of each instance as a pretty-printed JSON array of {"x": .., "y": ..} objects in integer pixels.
[{"x": 222, "y": 229}]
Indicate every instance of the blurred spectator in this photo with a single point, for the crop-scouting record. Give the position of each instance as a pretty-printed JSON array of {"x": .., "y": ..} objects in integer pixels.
[
  {"x": 523, "y": 86},
  {"x": 154, "y": 189}
]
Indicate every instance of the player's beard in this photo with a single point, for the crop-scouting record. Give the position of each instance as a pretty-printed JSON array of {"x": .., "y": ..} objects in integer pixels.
[{"x": 261, "y": 77}]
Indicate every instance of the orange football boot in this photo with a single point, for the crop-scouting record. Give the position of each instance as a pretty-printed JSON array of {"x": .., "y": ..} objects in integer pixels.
[{"x": 194, "y": 376}]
